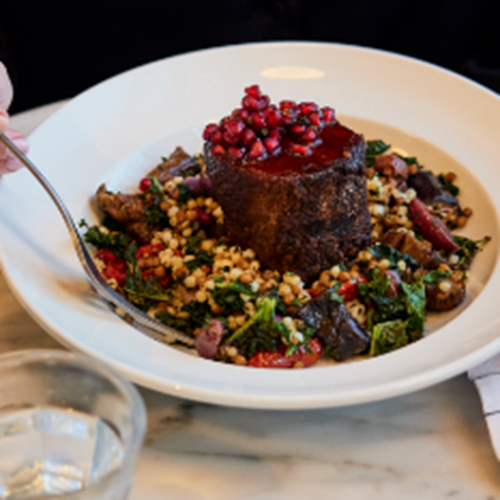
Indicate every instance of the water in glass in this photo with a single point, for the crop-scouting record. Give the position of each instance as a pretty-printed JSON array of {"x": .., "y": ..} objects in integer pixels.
[{"x": 54, "y": 451}]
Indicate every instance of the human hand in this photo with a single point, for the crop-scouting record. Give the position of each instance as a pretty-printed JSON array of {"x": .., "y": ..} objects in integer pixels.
[{"x": 8, "y": 162}]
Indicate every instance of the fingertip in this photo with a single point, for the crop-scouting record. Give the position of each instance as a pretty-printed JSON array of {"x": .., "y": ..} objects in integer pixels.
[{"x": 18, "y": 139}]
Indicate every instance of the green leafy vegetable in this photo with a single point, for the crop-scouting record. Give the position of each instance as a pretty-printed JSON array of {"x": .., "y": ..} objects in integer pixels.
[
  {"x": 408, "y": 305},
  {"x": 260, "y": 332},
  {"x": 414, "y": 298},
  {"x": 109, "y": 223},
  {"x": 185, "y": 193},
  {"x": 388, "y": 337},
  {"x": 435, "y": 277},
  {"x": 375, "y": 148},
  {"x": 377, "y": 285},
  {"x": 384, "y": 251},
  {"x": 193, "y": 243},
  {"x": 146, "y": 288},
  {"x": 199, "y": 313},
  {"x": 228, "y": 296},
  {"x": 263, "y": 333},
  {"x": 469, "y": 249},
  {"x": 448, "y": 186},
  {"x": 173, "y": 321},
  {"x": 201, "y": 259},
  {"x": 117, "y": 242},
  {"x": 156, "y": 217}
]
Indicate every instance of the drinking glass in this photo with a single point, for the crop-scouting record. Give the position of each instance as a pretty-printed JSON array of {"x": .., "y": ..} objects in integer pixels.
[{"x": 70, "y": 428}]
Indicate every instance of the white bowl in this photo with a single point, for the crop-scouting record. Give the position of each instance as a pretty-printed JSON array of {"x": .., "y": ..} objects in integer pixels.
[{"x": 119, "y": 129}]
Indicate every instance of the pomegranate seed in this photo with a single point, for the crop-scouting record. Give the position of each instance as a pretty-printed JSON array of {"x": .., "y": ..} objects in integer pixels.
[
  {"x": 271, "y": 144},
  {"x": 248, "y": 137},
  {"x": 288, "y": 116},
  {"x": 216, "y": 137},
  {"x": 274, "y": 119},
  {"x": 299, "y": 149},
  {"x": 209, "y": 130},
  {"x": 258, "y": 121},
  {"x": 309, "y": 135},
  {"x": 297, "y": 129},
  {"x": 145, "y": 184},
  {"x": 235, "y": 127},
  {"x": 257, "y": 150},
  {"x": 269, "y": 109},
  {"x": 315, "y": 119},
  {"x": 328, "y": 114},
  {"x": 236, "y": 113},
  {"x": 251, "y": 104},
  {"x": 205, "y": 218},
  {"x": 287, "y": 105},
  {"x": 218, "y": 150},
  {"x": 275, "y": 134},
  {"x": 253, "y": 91},
  {"x": 265, "y": 99},
  {"x": 235, "y": 153},
  {"x": 244, "y": 114},
  {"x": 307, "y": 107},
  {"x": 230, "y": 139}
]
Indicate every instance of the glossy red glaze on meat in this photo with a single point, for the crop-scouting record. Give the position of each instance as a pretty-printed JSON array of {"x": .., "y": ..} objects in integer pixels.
[{"x": 299, "y": 213}]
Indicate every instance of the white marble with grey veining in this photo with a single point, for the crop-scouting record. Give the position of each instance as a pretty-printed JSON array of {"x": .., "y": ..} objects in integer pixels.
[{"x": 430, "y": 445}]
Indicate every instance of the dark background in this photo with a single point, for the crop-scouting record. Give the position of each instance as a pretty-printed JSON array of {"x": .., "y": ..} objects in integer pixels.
[{"x": 56, "y": 49}]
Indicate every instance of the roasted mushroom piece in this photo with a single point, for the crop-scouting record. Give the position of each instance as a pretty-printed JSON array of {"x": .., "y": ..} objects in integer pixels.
[
  {"x": 129, "y": 210},
  {"x": 401, "y": 239},
  {"x": 429, "y": 189},
  {"x": 178, "y": 163},
  {"x": 341, "y": 334},
  {"x": 438, "y": 300}
]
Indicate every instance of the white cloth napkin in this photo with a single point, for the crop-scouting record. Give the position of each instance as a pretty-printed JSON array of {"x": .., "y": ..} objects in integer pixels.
[{"x": 486, "y": 377}]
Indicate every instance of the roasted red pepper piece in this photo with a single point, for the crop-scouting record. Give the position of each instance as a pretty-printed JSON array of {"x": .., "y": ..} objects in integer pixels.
[
  {"x": 432, "y": 227},
  {"x": 151, "y": 250},
  {"x": 278, "y": 359},
  {"x": 116, "y": 267},
  {"x": 349, "y": 289}
]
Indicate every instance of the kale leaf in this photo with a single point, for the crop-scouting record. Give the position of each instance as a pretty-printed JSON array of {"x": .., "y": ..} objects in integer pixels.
[
  {"x": 261, "y": 332},
  {"x": 177, "y": 323},
  {"x": 388, "y": 336},
  {"x": 469, "y": 249},
  {"x": 375, "y": 148},
  {"x": 448, "y": 186},
  {"x": 147, "y": 288},
  {"x": 435, "y": 277},
  {"x": 200, "y": 259},
  {"x": 384, "y": 251},
  {"x": 116, "y": 241},
  {"x": 156, "y": 217},
  {"x": 185, "y": 194},
  {"x": 407, "y": 305},
  {"x": 228, "y": 296}
]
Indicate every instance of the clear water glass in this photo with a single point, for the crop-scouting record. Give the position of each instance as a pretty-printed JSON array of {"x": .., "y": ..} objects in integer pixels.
[{"x": 70, "y": 428}]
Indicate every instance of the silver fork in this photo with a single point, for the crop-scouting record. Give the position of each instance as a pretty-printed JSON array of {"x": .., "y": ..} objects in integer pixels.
[{"x": 124, "y": 309}]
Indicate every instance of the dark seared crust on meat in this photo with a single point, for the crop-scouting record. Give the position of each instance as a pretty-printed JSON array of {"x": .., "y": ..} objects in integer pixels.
[
  {"x": 128, "y": 210},
  {"x": 302, "y": 222}
]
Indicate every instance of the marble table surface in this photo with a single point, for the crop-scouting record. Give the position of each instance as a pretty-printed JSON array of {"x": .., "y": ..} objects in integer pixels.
[{"x": 429, "y": 445}]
